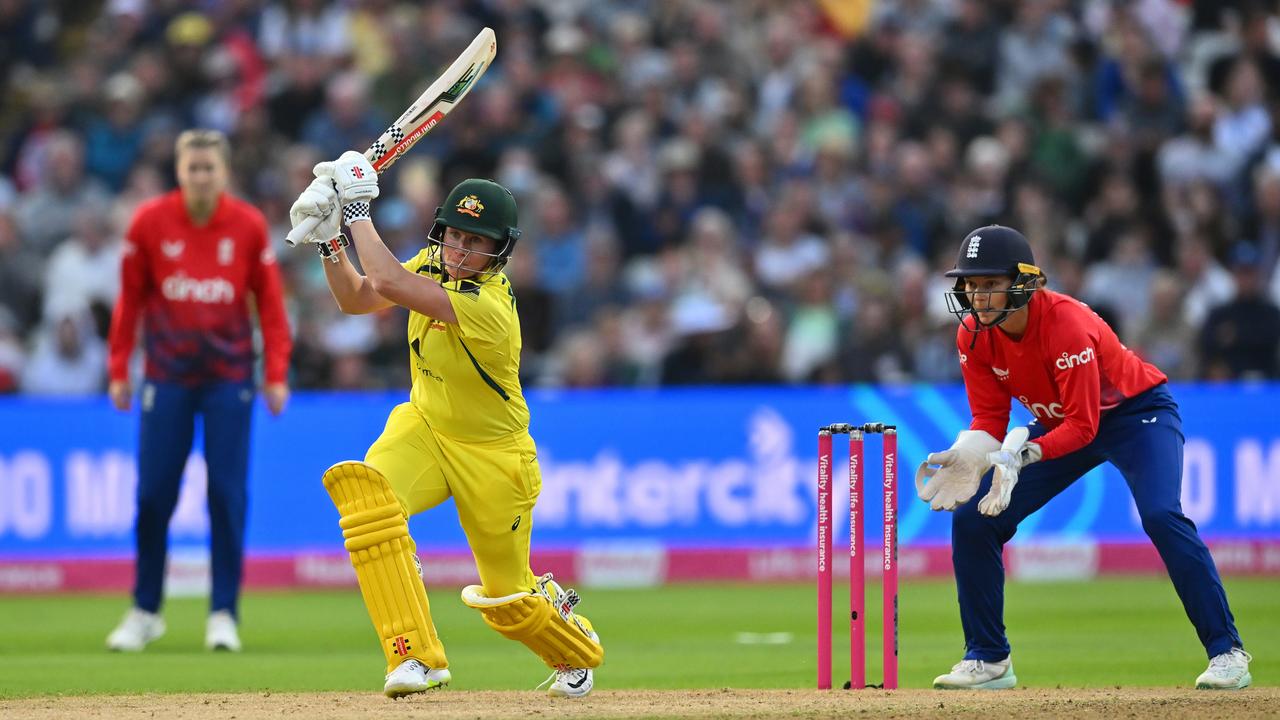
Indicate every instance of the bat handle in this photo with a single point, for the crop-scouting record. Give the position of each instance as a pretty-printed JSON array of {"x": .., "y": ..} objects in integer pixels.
[{"x": 299, "y": 233}]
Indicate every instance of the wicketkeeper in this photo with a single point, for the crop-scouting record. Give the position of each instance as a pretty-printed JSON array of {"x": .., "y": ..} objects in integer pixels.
[
  {"x": 464, "y": 433},
  {"x": 1095, "y": 401}
]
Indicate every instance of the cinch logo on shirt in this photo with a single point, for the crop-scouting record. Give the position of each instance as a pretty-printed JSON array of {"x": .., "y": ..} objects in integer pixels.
[
  {"x": 181, "y": 288},
  {"x": 1040, "y": 410},
  {"x": 1068, "y": 361}
]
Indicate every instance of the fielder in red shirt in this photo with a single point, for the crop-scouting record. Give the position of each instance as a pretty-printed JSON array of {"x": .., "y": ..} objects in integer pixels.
[
  {"x": 196, "y": 262},
  {"x": 1094, "y": 401}
]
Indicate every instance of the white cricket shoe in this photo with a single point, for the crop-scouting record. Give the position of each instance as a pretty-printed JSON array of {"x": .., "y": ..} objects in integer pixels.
[
  {"x": 411, "y": 676},
  {"x": 571, "y": 683},
  {"x": 1228, "y": 671},
  {"x": 220, "y": 632},
  {"x": 978, "y": 675},
  {"x": 138, "y": 628}
]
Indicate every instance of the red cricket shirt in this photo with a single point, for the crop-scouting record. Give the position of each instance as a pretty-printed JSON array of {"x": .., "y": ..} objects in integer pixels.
[
  {"x": 1067, "y": 369},
  {"x": 191, "y": 286}
]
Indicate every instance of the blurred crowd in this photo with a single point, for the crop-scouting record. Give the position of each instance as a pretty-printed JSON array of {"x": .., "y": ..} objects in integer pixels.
[{"x": 750, "y": 191}]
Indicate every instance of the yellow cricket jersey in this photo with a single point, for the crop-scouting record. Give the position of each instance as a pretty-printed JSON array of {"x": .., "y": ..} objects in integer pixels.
[{"x": 466, "y": 377}]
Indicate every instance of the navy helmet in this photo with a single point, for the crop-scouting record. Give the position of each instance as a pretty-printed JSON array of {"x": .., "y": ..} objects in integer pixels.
[{"x": 1000, "y": 251}]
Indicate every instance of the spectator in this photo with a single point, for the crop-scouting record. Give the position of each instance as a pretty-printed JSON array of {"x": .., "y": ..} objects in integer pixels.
[
  {"x": 561, "y": 248},
  {"x": 346, "y": 121},
  {"x": 971, "y": 45},
  {"x": 599, "y": 291},
  {"x": 1165, "y": 338},
  {"x": 1122, "y": 281},
  {"x": 45, "y": 215},
  {"x": 1241, "y": 339},
  {"x": 113, "y": 140},
  {"x": 1262, "y": 227},
  {"x": 69, "y": 357},
  {"x": 1193, "y": 154},
  {"x": 312, "y": 28},
  {"x": 1035, "y": 46},
  {"x": 80, "y": 274},
  {"x": 1243, "y": 124},
  {"x": 788, "y": 251},
  {"x": 1208, "y": 283},
  {"x": 20, "y": 288}
]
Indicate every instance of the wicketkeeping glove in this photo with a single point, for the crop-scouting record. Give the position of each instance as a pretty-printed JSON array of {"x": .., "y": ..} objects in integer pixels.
[
  {"x": 958, "y": 471},
  {"x": 1014, "y": 454}
]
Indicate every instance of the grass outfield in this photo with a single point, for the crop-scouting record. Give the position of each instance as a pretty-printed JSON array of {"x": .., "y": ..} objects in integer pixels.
[{"x": 1103, "y": 634}]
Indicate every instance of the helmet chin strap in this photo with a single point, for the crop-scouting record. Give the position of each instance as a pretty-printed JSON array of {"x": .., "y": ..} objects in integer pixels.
[{"x": 980, "y": 326}]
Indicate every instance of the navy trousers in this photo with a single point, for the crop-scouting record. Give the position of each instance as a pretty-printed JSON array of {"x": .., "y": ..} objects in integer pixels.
[
  {"x": 1143, "y": 438},
  {"x": 165, "y": 438}
]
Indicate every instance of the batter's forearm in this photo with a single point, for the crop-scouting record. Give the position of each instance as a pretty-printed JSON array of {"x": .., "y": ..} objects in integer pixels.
[
  {"x": 352, "y": 291},
  {"x": 391, "y": 281}
]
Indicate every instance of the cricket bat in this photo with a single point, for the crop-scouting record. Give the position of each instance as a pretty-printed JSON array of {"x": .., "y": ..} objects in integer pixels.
[{"x": 424, "y": 114}]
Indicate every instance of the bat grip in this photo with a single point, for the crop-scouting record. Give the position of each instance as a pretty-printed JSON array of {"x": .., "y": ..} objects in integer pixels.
[{"x": 299, "y": 233}]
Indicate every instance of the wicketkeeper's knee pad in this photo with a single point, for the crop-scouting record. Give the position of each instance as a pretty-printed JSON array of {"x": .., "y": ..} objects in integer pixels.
[
  {"x": 544, "y": 621},
  {"x": 382, "y": 553}
]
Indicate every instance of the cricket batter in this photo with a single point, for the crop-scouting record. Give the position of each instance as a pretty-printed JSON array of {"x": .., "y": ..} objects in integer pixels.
[
  {"x": 195, "y": 261},
  {"x": 464, "y": 433},
  {"x": 1094, "y": 401}
]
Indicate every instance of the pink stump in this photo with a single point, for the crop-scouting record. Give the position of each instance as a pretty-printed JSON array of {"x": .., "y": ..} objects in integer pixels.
[
  {"x": 890, "y": 559},
  {"x": 824, "y": 560}
]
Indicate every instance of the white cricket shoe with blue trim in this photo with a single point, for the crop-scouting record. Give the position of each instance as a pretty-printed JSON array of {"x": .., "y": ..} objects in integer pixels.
[
  {"x": 1228, "y": 671},
  {"x": 978, "y": 675}
]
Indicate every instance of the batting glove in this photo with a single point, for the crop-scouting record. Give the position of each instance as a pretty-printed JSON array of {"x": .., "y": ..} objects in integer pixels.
[
  {"x": 1014, "y": 454},
  {"x": 353, "y": 175},
  {"x": 319, "y": 200}
]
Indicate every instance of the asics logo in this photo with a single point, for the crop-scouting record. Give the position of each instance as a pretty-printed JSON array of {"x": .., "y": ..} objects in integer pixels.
[
  {"x": 974, "y": 242},
  {"x": 581, "y": 681},
  {"x": 1068, "y": 361}
]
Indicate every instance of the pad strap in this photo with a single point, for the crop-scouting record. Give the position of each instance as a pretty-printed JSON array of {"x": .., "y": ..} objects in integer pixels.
[{"x": 544, "y": 621}]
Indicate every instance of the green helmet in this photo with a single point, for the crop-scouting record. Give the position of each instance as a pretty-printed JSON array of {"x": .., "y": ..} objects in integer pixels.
[{"x": 482, "y": 207}]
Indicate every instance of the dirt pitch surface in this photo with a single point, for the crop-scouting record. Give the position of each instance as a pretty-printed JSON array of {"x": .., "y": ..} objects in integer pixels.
[{"x": 1058, "y": 703}]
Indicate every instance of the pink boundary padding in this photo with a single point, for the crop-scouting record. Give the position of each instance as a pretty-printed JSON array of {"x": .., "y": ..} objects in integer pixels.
[
  {"x": 857, "y": 568},
  {"x": 450, "y": 569},
  {"x": 890, "y": 550},
  {"x": 824, "y": 560}
]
